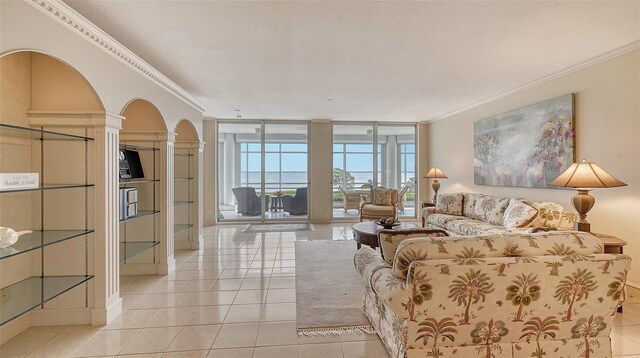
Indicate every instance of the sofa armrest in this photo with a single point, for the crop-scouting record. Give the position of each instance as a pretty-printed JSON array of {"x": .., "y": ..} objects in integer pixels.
[
  {"x": 390, "y": 239},
  {"x": 392, "y": 291},
  {"x": 367, "y": 261}
]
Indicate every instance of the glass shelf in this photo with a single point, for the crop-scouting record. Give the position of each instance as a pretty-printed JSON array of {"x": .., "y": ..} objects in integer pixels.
[
  {"x": 181, "y": 227},
  {"x": 25, "y": 132},
  {"x": 180, "y": 203},
  {"x": 49, "y": 187},
  {"x": 132, "y": 248},
  {"x": 23, "y": 296},
  {"x": 137, "y": 147},
  {"x": 182, "y": 154},
  {"x": 38, "y": 239},
  {"x": 137, "y": 181},
  {"x": 141, "y": 213},
  {"x": 183, "y": 178}
]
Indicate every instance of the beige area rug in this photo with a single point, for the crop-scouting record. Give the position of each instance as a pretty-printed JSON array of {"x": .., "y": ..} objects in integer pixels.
[{"x": 329, "y": 290}]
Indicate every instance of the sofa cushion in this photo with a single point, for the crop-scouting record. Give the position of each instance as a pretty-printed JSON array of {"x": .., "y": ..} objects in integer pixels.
[
  {"x": 491, "y": 209},
  {"x": 449, "y": 204},
  {"x": 382, "y": 210},
  {"x": 518, "y": 214},
  {"x": 441, "y": 220},
  {"x": 473, "y": 227},
  {"x": 469, "y": 202}
]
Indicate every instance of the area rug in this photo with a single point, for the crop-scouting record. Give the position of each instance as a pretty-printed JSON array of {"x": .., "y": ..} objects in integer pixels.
[
  {"x": 277, "y": 227},
  {"x": 329, "y": 290}
]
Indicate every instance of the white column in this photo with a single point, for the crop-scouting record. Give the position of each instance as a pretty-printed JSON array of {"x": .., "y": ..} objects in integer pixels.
[
  {"x": 167, "y": 261},
  {"x": 229, "y": 168},
  {"x": 108, "y": 303}
]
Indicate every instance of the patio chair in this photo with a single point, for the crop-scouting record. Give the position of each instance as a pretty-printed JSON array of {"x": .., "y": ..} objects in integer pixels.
[
  {"x": 297, "y": 204},
  {"x": 401, "y": 194},
  {"x": 371, "y": 211},
  {"x": 249, "y": 201},
  {"x": 351, "y": 200}
]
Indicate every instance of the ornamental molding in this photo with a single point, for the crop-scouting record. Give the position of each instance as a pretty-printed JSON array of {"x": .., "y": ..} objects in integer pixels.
[{"x": 72, "y": 20}]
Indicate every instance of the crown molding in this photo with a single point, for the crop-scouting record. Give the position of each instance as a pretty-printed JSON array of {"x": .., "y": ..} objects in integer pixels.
[
  {"x": 71, "y": 19},
  {"x": 631, "y": 46}
]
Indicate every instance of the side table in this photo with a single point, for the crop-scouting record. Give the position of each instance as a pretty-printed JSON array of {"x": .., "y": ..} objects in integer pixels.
[{"x": 612, "y": 245}]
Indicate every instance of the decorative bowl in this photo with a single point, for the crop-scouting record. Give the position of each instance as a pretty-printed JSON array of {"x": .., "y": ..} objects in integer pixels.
[{"x": 397, "y": 223}]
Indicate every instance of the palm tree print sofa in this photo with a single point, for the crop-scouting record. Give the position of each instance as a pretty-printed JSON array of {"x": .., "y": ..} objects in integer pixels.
[
  {"x": 479, "y": 214},
  {"x": 527, "y": 295}
]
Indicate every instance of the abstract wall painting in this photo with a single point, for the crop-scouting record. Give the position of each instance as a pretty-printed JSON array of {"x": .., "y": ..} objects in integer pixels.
[{"x": 528, "y": 147}]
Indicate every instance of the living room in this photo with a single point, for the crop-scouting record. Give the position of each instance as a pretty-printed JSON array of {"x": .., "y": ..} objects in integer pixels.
[{"x": 259, "y": 143}]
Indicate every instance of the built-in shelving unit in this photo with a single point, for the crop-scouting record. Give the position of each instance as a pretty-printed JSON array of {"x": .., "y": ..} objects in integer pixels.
[
  {"x": 135, "y": 240},
  {"x": 44, "y": 151},
  {"x": 183, "y": 186}
]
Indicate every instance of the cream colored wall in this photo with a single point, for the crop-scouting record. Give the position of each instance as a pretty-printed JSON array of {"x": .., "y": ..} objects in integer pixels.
[
  {"x": 210, "y": 173},
  {"x": 58, "y": 87},
  {"x": 608, "y": 132}
]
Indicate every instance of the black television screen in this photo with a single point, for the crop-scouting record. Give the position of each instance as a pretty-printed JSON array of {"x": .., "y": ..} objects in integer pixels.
[{"x": 135, "y": 166}]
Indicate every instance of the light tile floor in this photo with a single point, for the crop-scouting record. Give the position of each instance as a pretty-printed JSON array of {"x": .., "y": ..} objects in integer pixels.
[{"x": 235, "y": 298}]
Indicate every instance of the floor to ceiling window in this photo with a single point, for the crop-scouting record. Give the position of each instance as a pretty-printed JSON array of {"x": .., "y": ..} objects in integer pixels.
[
  {"x": 262, "y": 171},
  {"x": 355, "y": 171}
]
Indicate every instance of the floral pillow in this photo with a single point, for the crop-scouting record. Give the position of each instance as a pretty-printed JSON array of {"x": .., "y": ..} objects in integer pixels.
[
  {"x": 518, "y": 214},
  {"x": 491, "y": 209},
  {"x": 382, "y": 196},
  {"x": 549, "y": 214},
  {"x": 449, "y": 204}
]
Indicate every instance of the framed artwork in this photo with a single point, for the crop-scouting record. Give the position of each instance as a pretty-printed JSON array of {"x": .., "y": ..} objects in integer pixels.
[{"x": 528, "y": 147}]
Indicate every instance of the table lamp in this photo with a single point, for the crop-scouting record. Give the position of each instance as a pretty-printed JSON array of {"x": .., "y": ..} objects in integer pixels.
[
  {"x": 435, "y": 173},
  {"x": 583, "y": 177}
]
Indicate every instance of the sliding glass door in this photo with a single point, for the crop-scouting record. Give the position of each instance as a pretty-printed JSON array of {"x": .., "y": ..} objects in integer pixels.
[
  {"x": 371, "y": 155},
  {"x": 262, "y": 171}
]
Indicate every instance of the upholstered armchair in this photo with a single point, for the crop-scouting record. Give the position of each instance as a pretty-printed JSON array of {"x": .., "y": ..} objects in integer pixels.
[
  {"x": 382, "y": 203},
  {"x": 248, "y": 201},
  {"x": 351, "y": 200},
  {"x": 401, "y": 194},
  {"x": 296, "y": 205}
]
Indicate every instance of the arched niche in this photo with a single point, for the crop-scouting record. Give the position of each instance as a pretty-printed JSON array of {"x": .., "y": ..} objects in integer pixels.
[
  {"x": 35, "y": 81},
  {"x": 142, "y": 116},
  {"x": 186, "y": 132}
]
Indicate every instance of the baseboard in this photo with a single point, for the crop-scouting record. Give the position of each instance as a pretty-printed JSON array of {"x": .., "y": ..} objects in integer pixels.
[
  {"x": 60, "y": 316},
  {"x": 14, "y": 328},
  {"x": 170, "y": 266},
  {"x": 101, "y": 317}
]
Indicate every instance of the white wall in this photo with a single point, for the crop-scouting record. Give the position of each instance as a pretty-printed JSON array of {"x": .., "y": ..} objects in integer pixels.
[
  {"x": 23, "y": 27},
  {"x": 608, "y": 132}
]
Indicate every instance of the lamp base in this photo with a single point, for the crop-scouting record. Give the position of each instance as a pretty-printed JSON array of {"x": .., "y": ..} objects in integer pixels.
[
  {"x": 436, "y": 187},
  {"x": 582, "y": 226}
]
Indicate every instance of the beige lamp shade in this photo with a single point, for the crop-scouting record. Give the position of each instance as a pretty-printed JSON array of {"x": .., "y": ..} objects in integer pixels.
[
  {"x": 435, "y": 173},
  {"x": 586, "y": 175}
]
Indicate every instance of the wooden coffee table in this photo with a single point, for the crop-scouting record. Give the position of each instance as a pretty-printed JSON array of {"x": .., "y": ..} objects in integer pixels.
[{"x": 366, "y": 232}]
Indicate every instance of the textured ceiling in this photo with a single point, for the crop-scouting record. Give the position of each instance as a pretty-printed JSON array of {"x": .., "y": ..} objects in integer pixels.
[{"x": 386, "y": 61}]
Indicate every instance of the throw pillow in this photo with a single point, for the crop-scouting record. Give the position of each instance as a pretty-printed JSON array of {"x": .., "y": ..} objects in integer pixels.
[
  {"x": 449, "y": 204},
  {"x": 549, "y": 214},
  {"x": 491, "y": 209},
  {"x": 382, "y": 196},
  {"x": 518, "y": 214}
]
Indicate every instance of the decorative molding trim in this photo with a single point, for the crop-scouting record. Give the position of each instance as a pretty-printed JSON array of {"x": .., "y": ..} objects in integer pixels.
[
  {"x": 74, "y": 119},
  {"x": 590, "y": 62},
  {"x": 64, "y": 14}
]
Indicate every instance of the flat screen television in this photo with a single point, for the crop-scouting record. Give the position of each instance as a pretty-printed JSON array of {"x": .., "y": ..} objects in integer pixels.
[{"x": 130, "y": 165}]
